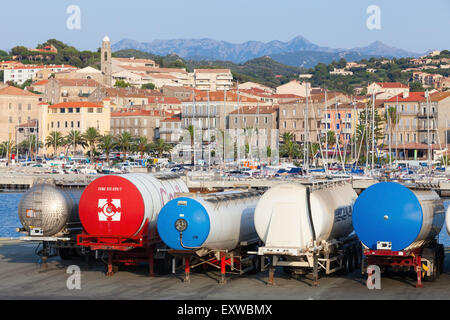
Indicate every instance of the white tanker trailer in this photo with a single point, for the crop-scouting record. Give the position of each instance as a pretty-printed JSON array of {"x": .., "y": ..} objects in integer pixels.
[
  {"x": 308, "y": 228},
  {"x": 215, "y": 229}
]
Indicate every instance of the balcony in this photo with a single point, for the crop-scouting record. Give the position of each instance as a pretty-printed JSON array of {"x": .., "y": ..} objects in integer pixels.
[
  {"x": 347, "y": 130},
  {"x": 346, "y": 120},
  {"x": 426, "y": 115}
]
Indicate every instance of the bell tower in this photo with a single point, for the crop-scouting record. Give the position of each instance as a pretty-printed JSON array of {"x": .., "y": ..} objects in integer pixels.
[{"x": 106, "y": 61}]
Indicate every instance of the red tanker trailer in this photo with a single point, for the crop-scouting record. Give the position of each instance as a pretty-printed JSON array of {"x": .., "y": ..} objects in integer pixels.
[{"x": 119, "y": 214}]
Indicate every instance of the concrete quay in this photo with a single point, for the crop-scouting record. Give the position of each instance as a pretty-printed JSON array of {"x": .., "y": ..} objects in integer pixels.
[{"x": 20, "y": 278}]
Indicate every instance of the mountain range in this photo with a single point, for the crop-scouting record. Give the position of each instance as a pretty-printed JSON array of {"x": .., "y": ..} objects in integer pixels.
[{"x": 296, "y": 52}]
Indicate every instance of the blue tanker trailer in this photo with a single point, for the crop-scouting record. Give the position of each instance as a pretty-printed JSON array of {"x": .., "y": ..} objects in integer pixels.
[{"x": 398, "y": 227}]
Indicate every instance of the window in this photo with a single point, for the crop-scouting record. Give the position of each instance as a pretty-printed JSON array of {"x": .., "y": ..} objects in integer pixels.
[
  {"x": 295, "y": 124},
  {"x": 71, "y": 124},
  {"x": 337, "y": 126},
  {"x": 52, "y": 124},
  {"x": 70, "y": 110},
  {"x": 20, "y": 106},
  {"x": 284, "y": 124},
  {"x": 99, "y": 110},
  {"x": 78, "y": 110},
  {"x": 10, "y": 119},
  {"x": 57, "y": 124},
  {"x": 29, "y": 106},
  {"x": 62, "y": 110},
  {"x": 265, "y": 120},
  {"x": 10, "y": 106},
  {"x": 328, "y": 115},
  {"x": 66, "y": 124},
  {"x": 293, "y": 112},
  {"x": 284, "y": 112},
  {"x": 90, "y": 110},
  {"x": 78, "y": 124}
]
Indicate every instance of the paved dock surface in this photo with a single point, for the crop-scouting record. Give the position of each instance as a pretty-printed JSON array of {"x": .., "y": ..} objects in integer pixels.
[{"x": 20, "y": 278}]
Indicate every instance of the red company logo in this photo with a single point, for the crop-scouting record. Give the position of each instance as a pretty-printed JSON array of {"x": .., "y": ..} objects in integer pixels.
[{"x": 109, "y": 210}]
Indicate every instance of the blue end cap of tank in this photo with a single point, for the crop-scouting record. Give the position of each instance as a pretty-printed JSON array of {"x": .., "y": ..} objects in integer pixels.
[
  {"x": 390, "y": 212},
  {"x": 196, "y": 217}
]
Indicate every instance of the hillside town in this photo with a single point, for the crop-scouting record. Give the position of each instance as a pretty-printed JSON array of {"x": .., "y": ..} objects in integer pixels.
[{"x": 134, "y": 105}]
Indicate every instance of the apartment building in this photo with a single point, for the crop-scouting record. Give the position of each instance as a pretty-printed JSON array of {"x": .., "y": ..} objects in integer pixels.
[
  {"x": 78, "y": 115},
  {"x": 171, "y": 130},
  {"x": 261, "y": 120},
  {"x": 212, "y": 109},
  {"x": 20, "y": 74},
  {"x": 406, "y": 130},
  {"x": 212, "y": 79},
  {"x": 387, "y": 90},
  {"x": 292, "y": 115},
  {"x": 167, "y": 104},
  {"x": 17, "y": 107},
  {"x": 124, "y": 97},
  {"x": 138, "y": 122},
  {"x": 119, "y": 63},
  {"x": 294, "y": 87},
  {"x": 66, "y": 90}
]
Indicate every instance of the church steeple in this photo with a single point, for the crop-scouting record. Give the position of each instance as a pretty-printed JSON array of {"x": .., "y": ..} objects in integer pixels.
[{"x": 106, "y": 61}]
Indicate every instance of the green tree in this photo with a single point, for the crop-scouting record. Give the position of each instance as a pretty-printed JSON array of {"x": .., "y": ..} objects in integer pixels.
[
  {"x": 142, "y": 146},
  {"x": 150, "y": 86},
  {"x": 123, "y": 141},
  {"x": 191, "y": 134},
  {"x": 75, "y": 139},
  {"x": 107, "y": 143},
  {"x": 161, "y": 147},
  {"x": 30, "y": 144},
  {"x": 121, "y": 84},
  {"x": 416, "y": 87},
  {"x": 91, "y": 136},
  {"x": 54, "y": 140}
]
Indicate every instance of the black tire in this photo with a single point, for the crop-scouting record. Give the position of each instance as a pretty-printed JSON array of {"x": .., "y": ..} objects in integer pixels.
[
  {"x": 163, "y": 266},
  {"x": 352, "y": 260},
  {"x": 256, "y": 260},
  {"x": 432, "y": 254},
  {"x": 345, "y": 262},
  {"x": 65, "y": 253}
]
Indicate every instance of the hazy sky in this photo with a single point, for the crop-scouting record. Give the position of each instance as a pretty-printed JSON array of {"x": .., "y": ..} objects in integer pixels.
[{"x": 408, "y": 24}]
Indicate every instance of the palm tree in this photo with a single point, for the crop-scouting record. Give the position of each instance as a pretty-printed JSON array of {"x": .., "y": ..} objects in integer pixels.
[
  {"x": 289, "y": 147},
  {"x": 391, "y": 117},
  {"x": 107, "y": 143},
  {"x": 161, "y": 147},
  {"x": 8, "y": 148},
  {"x": 287, "y": 136},
  {"x": 142, "y": 146},
  {"x": 91, "y": 136},
  {"x": 55, "y": 140},
  {"x": 331, "y": 139},
  {"x": 75, "y": 139},
  {"x": 269, "y": 154},
  {"x": 31, "y": 145},
  {"x": 191, "y": 133},
  {"x": 123, "y": 141}
]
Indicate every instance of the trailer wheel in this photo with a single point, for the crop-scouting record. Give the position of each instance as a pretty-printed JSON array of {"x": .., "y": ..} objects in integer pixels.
[
  {"x": 163, "y": 266},
  {"x": 256, "y": 261},
  {"x": 345, "y": 265},
  {"x": 65, "y": 253},
  {"x": 352, "y": 260},
  {"x": 431, "y": 254}
]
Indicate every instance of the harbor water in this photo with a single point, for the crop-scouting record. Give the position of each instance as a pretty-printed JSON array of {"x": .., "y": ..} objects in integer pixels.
[{"x": 9, "y": 220}]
